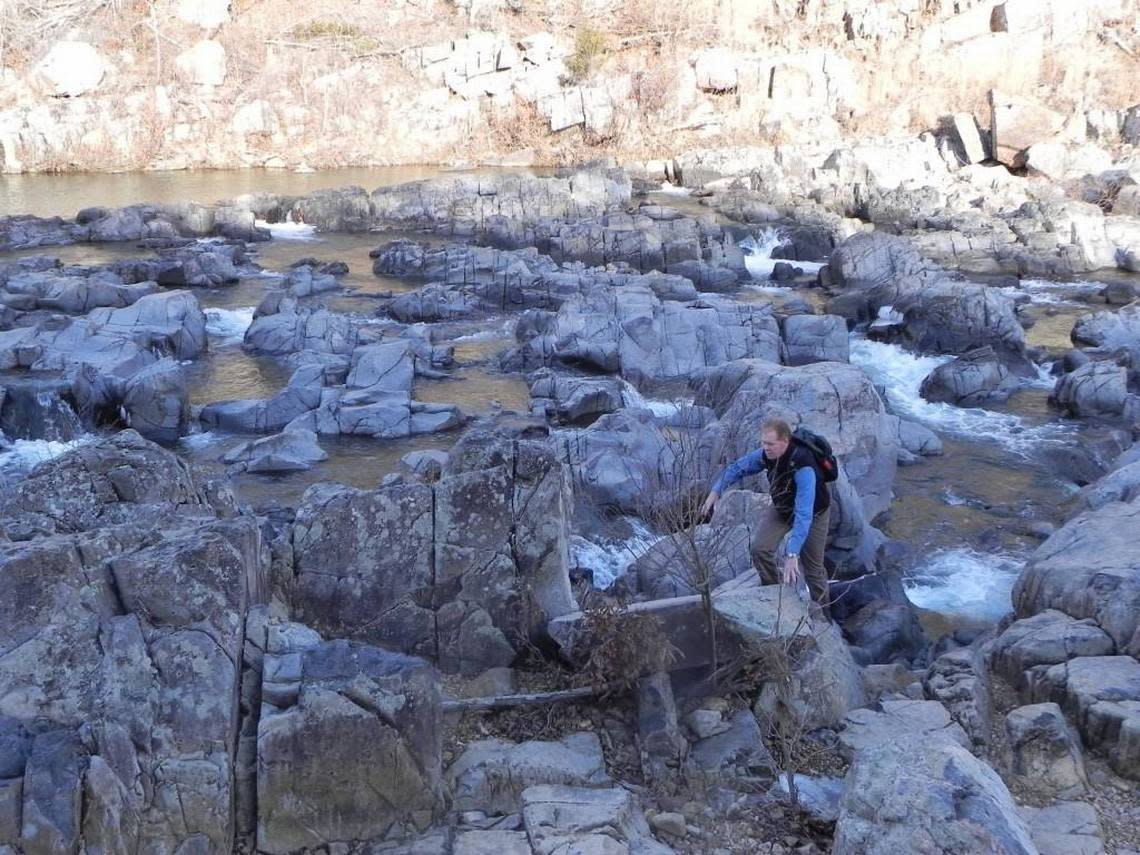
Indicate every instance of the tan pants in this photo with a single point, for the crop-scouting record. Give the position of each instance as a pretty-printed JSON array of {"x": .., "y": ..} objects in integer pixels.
[{"x": 766, "y": 541}]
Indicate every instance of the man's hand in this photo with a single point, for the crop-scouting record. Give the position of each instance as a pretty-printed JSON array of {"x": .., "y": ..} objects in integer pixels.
[
  {"x": 709, "y": 504},
  {"x": 791, "y": 570}
]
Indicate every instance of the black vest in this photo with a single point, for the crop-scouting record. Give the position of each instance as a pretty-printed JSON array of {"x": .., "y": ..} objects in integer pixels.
[{"x": 782, "y": 481}]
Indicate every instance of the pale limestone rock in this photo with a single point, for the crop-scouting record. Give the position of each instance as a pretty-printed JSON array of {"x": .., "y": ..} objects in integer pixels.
[
  {"x": 204, "y": 63},
  {"x": 72, "y": 68},
  {"x": 206, "y": 14}
]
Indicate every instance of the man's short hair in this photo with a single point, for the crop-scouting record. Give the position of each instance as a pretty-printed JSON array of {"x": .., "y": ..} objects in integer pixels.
[{"x": 782, "y": 429}]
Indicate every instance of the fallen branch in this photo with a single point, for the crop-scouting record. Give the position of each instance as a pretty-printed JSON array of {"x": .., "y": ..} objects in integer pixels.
[{"x": 502, "y": 702}]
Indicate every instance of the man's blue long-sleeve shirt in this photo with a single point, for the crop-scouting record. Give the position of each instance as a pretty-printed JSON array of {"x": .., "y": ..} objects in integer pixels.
[{"x": 753, "y": 464}]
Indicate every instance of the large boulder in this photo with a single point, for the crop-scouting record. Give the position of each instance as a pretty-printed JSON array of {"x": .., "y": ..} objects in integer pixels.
[
  {"x": 816, "y": 338},
  {"x": 868, "y": 728},
  {"x": 1018, "y": 123},
  {"x": 938, "y": 313},
  {"x": 459, "y": 571},
  {"x": 1042, "y": 751},
  {"x": 156, "y": 402},
  {"x": 72, "y": 68},
  {"x": 633, "y": 332},
  {"x": 1094, "y": 389},
  {"x": 971, "y": 379},
  {"x": 171, "y": 323},
  {"x": 1109, "y": 329},
  {"x": 348, "y": 743},
  {"x": 959, "y": 680},
  {"x": 1047, "y": 638},
  {"x": 290, "y": 451},
  {"x": 97, "y": 646},
  {"x": 1102, "y": 696},
  {"x": 1087, "y": 569},
  {"x": 930, "y": 795}
]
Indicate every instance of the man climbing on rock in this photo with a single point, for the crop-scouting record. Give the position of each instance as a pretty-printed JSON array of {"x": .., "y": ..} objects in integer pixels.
[{"x": 801, "y": 502}]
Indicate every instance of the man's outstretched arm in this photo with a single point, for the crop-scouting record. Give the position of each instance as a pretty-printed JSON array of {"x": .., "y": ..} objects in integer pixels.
[{"x": 750, "y": 464}]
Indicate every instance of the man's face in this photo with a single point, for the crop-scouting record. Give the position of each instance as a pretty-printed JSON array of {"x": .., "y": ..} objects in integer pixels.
[{"x": 774, "y": 446}]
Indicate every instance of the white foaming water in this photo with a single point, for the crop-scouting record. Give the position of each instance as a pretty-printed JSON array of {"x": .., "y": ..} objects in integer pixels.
[
  {"x": 630, "y": 397},
  {"x": 608, "y": 559},
  {"x": 1047, "y": 292},
  {"x": 964, "y": 582},
  {"x": 901, "y": 373},
  {"x": 674, "y": 189},
  {"x": 758, "y": 251},
  {"x": 289, "y": 230},
  {"x": 506, "y": 329},
  {"x": 201, "y": 440},
  {"x": 25, "y": 454},
  {"x": 229, "y": 324}
]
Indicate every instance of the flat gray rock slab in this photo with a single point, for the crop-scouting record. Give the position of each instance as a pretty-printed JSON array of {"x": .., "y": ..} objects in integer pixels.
[
  {"x": 570, "y": 820},
  {"x": 1065, "y": 828},
  {"x": 896, "y": 719},
  {"x": 491, "y": 774}
]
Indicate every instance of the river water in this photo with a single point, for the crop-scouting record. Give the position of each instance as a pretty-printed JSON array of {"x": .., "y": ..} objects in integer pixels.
[{"x": 969, "y": 517}]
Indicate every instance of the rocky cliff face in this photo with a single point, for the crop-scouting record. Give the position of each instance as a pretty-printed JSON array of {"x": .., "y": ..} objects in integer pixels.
[{"x": 93, "y": 86}]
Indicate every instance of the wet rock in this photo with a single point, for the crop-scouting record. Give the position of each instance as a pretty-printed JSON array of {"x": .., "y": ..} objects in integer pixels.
[
  {"x": 290, "y": 329},
  {"x": 918, "y": 794},
  {"x": 938, "y": 313},
  {"x": 352, "y": 751},
  {"x": 466, "y": 203},
  {"x": 1120, "y": 485},
  {"x": 492, "y": 774},
  {"x": 304, "y": 281},
  {"x": 624, "y": 461},
  {"x": 918, "y": 439},
  {"x": 156, "y": 402},
  {"x": 569, "y": 399},
  {"x": 290, "y": 451},
  {"x": 300, "y": 396},
  {"x": 630, "y": 331},
  {"x": 1095, "y": 389},
  {"x": 1109, "y": 329},
  {"x": 1043, "y": 752},
  {"x": 195, "y": 265},
  {"x": 31, "y": 408},
  {"x": 171, "y": 323},
  {"x": 969, "y": 380},
  {"x": 71, "y": 294}
]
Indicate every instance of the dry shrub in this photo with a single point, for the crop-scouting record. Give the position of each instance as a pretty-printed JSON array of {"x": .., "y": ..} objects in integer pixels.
[
  {"x": 517, "y": 128},
  {"x": 589, "y": 49},
  {"x": 653, "y": 88},
  {"x": 624, "y": 646}
]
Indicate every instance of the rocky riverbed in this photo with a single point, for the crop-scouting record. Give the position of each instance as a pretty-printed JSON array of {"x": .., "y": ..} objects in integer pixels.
[{"x": 363, "y": 521}]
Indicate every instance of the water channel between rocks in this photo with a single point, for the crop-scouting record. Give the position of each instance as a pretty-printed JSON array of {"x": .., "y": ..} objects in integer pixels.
[{"x": 969, "y": 518}]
